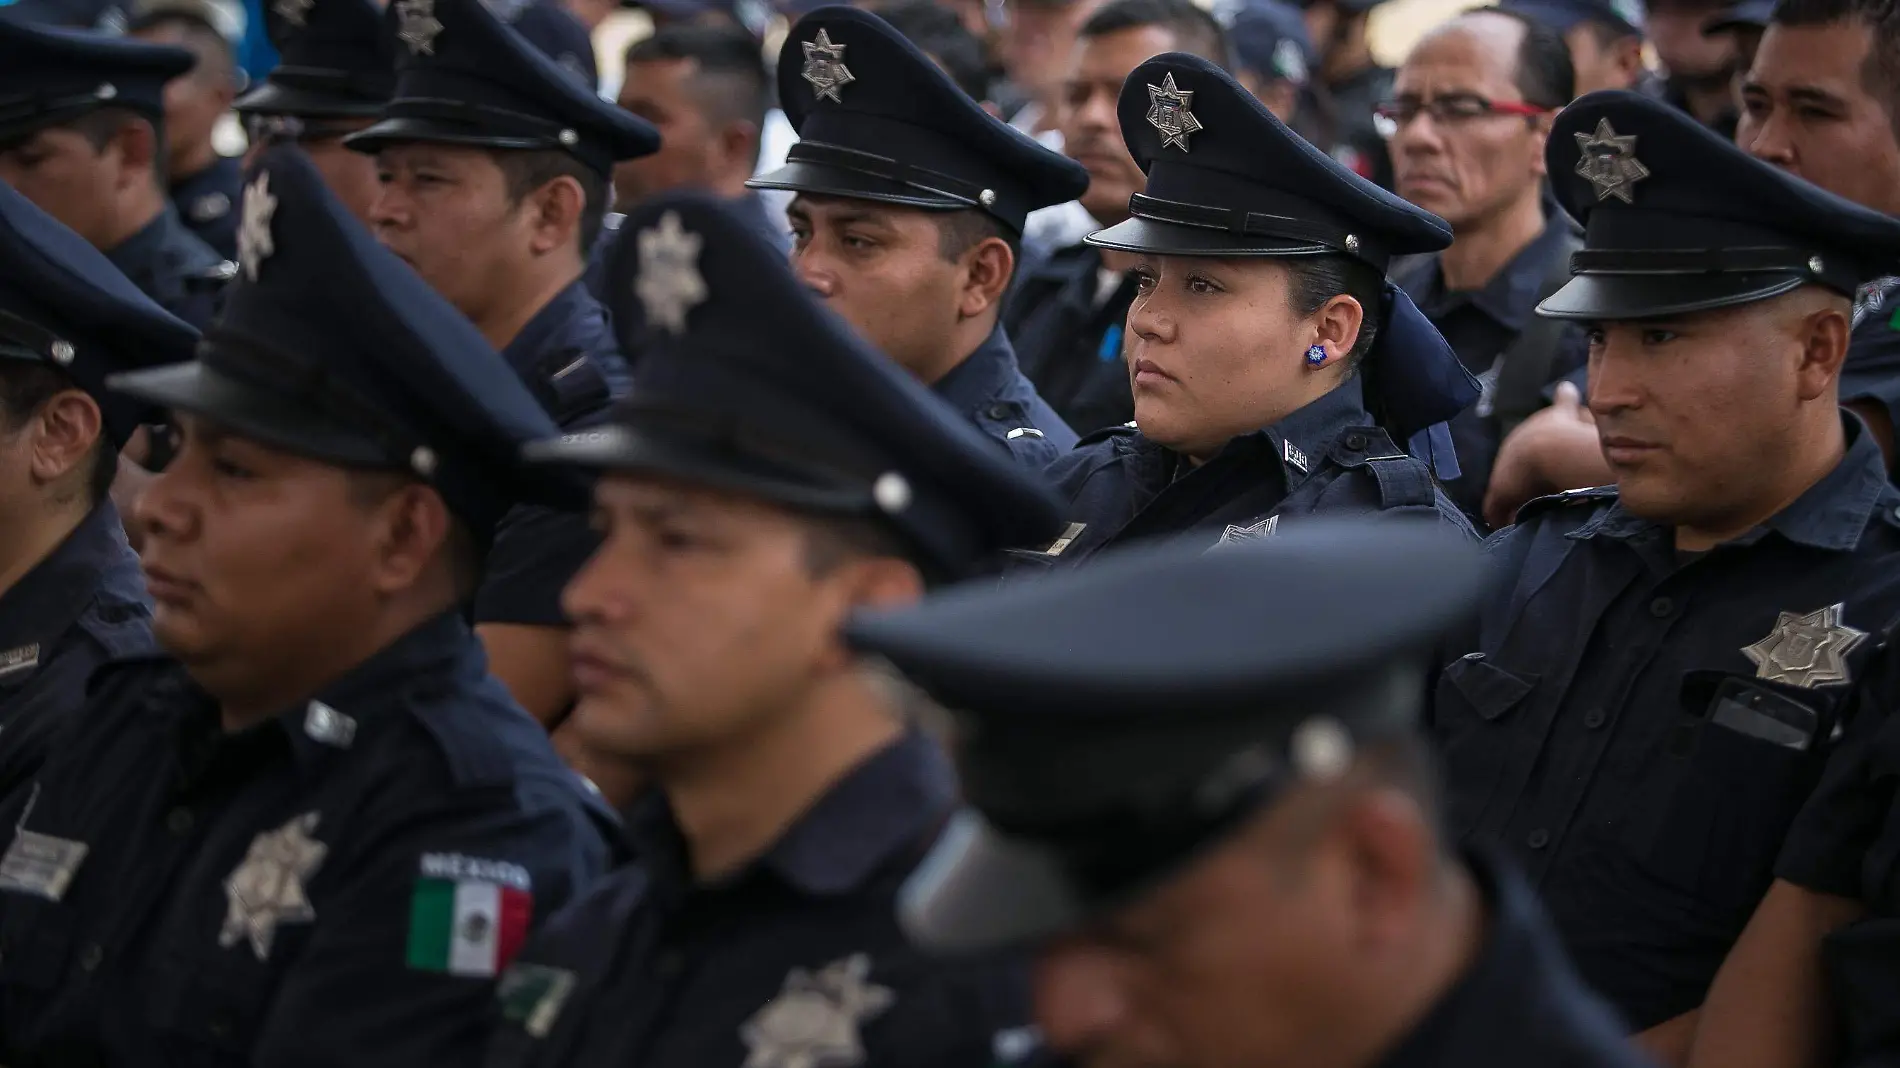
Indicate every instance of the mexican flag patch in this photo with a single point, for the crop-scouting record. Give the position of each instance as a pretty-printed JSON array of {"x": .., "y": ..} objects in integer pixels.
[{"x": 468, "y": 915}]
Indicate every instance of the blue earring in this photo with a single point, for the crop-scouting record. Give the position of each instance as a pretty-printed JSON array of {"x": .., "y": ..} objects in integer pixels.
[{"x": 1316, "y": 355}]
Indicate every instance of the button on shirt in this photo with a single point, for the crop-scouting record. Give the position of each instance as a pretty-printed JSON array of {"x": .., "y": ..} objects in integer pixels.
[
  {"x": 1639, "y": 727},
  {"x": 990, "y": 390},
  {"x": 569, "y": 359},
  {"x": 1519, "y": 1003},
  {"x": 1328, "y": 457},
  {"x": 1067, "y": 319},
  {"x": 793, "y": 960},
  {"x": 172, "y": 266},
  {"x": 331, "y": 886},
  {"x": 207, "y": 202},
  {"x": 79, "y": 607},
  {"x": 1480, "y": 325}
]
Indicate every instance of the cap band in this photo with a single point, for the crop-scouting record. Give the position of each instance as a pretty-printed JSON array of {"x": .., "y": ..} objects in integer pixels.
[{"x": 1244, "y": 223}]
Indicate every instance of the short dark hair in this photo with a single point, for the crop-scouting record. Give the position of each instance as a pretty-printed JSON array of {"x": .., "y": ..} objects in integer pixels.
[
  {"x": 204, "y": 38},
  {"x": 724, "y": 54},
  {"x": 1195, "y": 30},
  {"x": 1318, "y": 279},
  {"x": 25, "y": 388},
  {"x": 1880, "y": 73},
  {"x": 939, "y": 33},
  {"x": 1546, "y": 76},
  {"x": 100, "y": 125},
  {"x": 526, "y": 170},
  {"x": 832, "y": 541},
  {"x": 960, "y": 231}
]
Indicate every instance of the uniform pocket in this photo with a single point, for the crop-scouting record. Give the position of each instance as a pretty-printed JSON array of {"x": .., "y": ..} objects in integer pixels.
[
  {"x": 36, "y": 940},
  {"x": 1472, "y": 713},
  {"x": 207, "y": 1010}
]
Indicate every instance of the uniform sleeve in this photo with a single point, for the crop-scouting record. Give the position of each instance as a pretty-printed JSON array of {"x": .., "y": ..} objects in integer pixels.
[
  {"x": 536, "y": 551},
  {"x": 402, "y": 966}
]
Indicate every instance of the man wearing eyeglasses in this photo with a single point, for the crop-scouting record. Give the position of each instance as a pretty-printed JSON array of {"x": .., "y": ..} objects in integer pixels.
[
  {"x": 338, "y": 71},
  {"x": 1470, "y": 110}
]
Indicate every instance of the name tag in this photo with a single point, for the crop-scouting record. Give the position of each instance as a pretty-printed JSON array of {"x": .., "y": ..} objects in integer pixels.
[{"x": 40, "y": 865}]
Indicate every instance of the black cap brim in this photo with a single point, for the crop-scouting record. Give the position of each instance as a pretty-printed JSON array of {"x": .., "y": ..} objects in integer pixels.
[
  {"x": 410, "y": 130},
  {"x": 1650, "y": 296},
  {"x": 1137, "y": 234},
  {"x": 821, "y": 180},
  {"x": 979, "y": 890},
  {"x": 261, "y": 415},
  {"x": 625, "y": 450},
  {"x": 273, "y": 99}
]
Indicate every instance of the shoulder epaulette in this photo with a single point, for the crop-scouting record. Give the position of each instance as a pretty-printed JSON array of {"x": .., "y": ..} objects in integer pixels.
[
  {"x": 1127, "y": 429},
  {"x": 1569, "y": 498}
]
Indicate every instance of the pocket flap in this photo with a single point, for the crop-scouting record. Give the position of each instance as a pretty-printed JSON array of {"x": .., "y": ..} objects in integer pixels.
[{"x": 1492, "y": 690}]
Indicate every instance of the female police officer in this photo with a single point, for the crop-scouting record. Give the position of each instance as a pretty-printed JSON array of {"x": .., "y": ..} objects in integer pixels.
[{"x": 1274, "y": 370}]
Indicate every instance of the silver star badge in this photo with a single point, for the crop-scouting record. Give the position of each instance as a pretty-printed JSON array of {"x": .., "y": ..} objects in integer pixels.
[
  {"x": 268, "y": 887},
  {"x": 254, "y": 238},
  {"x": 824, "y": 67},
  {"x": 669, "y": 284},
  {"x": 1168, "y": 112},
  {"x": 293, "y": 11},
  {"x": 1609, "y": 162},
  {"x": 1235, "y": 533},
  {"x": 813, "y": 1022},
  {"x": 1806, "y": 650},
  {"x": 417, "y": 25}
]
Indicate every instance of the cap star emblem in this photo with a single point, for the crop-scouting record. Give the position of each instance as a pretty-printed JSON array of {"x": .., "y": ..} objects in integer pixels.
[
  {"x": 1609, "y": 162},
  {"x": 1806, "y": 650},
  {"x": 417, "y": 25},
  {"x": 1168, "y": 112},
  {"x": 813, "y": 1022},
  {"x": 293, "y": 11},
  {"x": 824, "y": 67},
  {"x": 669, "y": 284},
  {"x": 267, "y": 888},
  {"x": 254, "y": 237}
]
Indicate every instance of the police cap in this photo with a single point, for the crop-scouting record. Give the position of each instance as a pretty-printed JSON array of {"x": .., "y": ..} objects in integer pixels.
[
  {"x": 747, "y": 382},
  {"x": 467, "y": 78},
  {"x": 52, "y": 76},
  {"x": 877, "y": 119},
  {"x": 332, "y": 348},
  {"x": 1677, "y": 219},
  {"x": 64, "y": 305},
  {"x": 1115, "y": 721},
  {"x": 336, "y": 61}
]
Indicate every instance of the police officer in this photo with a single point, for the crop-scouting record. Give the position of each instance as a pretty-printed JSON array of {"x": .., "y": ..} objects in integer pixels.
[
  {"x": 909, "y": 215},
  {"x": 309, "y": 833},
  {"x": 494, "y": 163},
  {"x": 73, "y": 596},
  {"x": 1350, "y": 83},
  {"x": 549, "y": 27},
  {"x": 336, "y": 72},
  {"x": 1218, "y": 828},
  {"x": 1274, "y": 369},
  {"x": 204, "y": 183},
  {"x": 1659, "y": 678},
  {"x": 80, "y": 115},
  {"x": 769, "y": 474}
]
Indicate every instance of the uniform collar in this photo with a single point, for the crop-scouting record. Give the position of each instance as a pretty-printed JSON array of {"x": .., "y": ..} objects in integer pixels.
[
  {"x": 544, "y": 329},
  {"x": 878, "y": 808},
  {"x": 56, "y": 592},
  {"x": 982, "y": 375},
  {"x": 1831, "y": 515},
  {"x": 134, "y": 256},
  {"x": 1508, "y": 297},
  {"x": 1306, "y": 436}
]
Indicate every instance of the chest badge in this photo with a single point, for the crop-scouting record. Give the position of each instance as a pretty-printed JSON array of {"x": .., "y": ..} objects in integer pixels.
[
  {"x": 1806, "y": 650},
  {"x": 1236, "y": 534},
  {"x": 813, "y": 1022},
  {"x": 268, "y": 887},
  {"x": 15, "y": 661}
]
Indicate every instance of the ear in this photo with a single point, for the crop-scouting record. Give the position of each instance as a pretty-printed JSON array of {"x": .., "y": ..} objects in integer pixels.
[
  {"x": 1629, "y": 57},
  {"x": 554, "y": 215},
  {"x": 739, "y": 143},
  {"x": 412, "y": 535},
  {"x": 1392, "y": 857},
  {"x": 1336, "y": 327},
  {"x": 1540, "y": 137},
  {"x": 137, "y": 145},
  {"x": 1824, "y": 337},
  {"x": 65, "y": 430},
  {"x": 1282, "y": 98},
  {"x": 986, "y": 272},
  {"x": 861, "y": 583}
]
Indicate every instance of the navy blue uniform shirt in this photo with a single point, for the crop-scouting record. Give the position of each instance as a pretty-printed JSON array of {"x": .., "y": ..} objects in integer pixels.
[
  {"x": 786, "y": 962},
  {"x": 1520, "y": 1003},
  {"x": 570, "y": 361},
  {"x": 172, "y": 266},
  {"x": 208, "y": 204},
  {"x": 1328, "y": 457},
  {"x": 1480, "y": 326},
  {"x": 1068, "y": 327},
  {"x": 991, "y": 392},
  {"x": 1872, "y": 370},
  {"x": 81, "y": 606},
  {"x": 332, "y": 886},
  {"x": 1640, "y": 727}
]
